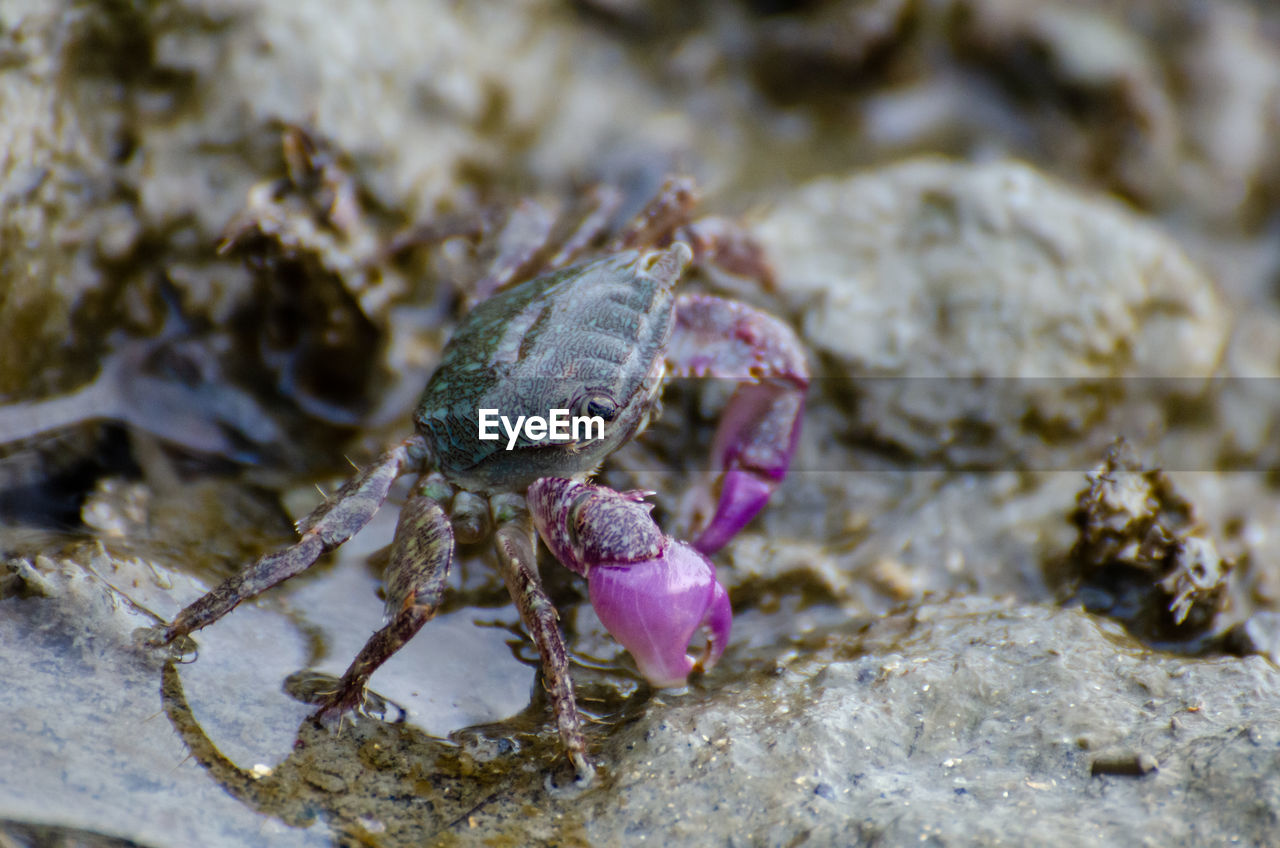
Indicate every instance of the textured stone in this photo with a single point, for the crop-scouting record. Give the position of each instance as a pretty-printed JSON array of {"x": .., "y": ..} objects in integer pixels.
[{"x": 984, "y": 314}]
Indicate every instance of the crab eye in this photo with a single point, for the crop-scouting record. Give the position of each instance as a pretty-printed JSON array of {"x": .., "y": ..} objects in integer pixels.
[{"x": 598, "y": 404}]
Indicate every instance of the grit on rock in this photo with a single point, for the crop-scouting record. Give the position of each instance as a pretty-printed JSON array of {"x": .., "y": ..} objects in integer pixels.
[{"x": 1008, "y": 234}]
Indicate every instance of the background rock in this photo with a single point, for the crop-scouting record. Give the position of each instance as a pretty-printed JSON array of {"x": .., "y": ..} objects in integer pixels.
[
  {"x": 981, "y": 329},
  {"x": 981, "y": 315}
]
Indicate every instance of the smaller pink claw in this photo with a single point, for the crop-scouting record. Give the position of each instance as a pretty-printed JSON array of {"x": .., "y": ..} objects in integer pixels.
[
  {"x": 754, "y": 445},
  {"x": 742, "y": 495},
  {"x": 651, "y": 592}
]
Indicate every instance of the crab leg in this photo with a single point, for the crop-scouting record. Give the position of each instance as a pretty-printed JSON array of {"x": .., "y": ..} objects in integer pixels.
[
  {"x": 760, "y": 426},
  {"x": 667, "y": 211},
  {"x": 653, "y": 593},
  {"x": 415, "y": 578},
  {"x": 327, "y": 527},
  {"x": 520, "y": 245},
  {"x": 516, "y": 246},
  {"x": 601, "y": 203},
  {"x": 515, "y": 543},
  {"x": 726, "y": 245}
]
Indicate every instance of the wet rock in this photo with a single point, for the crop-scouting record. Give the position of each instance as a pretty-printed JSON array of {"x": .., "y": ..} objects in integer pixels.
[
  {"x": 174, "y": 387},
  {"x": 825, "y": 47},
  {"x": 21, "y": 833},
  {"x": 1102, "y": 92},
  {"x": 89, "y": 696},
  {"x": 1098, "y": 81},
  {"x": 1260, "y": 634},
  {"x": 209, "y": 526},
  {"x": 91, "y": 702},
  {"x": 979, "y": 316},
  {"x": 55, "y": 186},
  {"x": 949, "y": 721}
]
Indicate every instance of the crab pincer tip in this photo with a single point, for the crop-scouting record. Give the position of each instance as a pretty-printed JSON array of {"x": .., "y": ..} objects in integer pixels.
[{"x": 742, "y": 496}]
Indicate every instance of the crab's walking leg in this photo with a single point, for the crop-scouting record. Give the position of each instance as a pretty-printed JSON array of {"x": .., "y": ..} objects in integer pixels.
[
  {"x": 759, "y": 428},
  {"x": 520, "y": 246},
  {"x": 515, "y": 543},
  {"x": 331, "y": 524},
  {"x": 599, "y": 206},
  {"x": 414, "y": 581},
  {"x": 514, "y": 248},
  {"x": 664, "y": 214},
  {"x": 724, "y": 244}
]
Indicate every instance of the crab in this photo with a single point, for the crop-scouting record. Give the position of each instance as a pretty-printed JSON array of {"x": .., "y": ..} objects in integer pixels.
[{"x": 597, "y": 338}]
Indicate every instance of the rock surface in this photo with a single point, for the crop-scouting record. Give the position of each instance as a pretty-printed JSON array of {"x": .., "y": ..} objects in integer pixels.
[
  {"x": 992, "y": 309},
  {"x": 902, "y": 668}
]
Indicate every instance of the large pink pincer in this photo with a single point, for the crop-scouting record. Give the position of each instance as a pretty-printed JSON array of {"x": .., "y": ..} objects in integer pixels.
[{"x": 652, "y": 592}]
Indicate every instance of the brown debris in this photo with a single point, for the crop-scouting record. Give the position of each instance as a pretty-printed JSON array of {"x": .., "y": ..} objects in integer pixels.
[{"x": 1141, "y": 556}]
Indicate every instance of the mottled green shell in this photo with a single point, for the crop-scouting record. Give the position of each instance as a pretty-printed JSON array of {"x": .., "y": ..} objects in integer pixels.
[{"x": 593, "y": 330}]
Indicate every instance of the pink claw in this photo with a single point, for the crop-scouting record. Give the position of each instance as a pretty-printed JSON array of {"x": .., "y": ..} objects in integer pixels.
[
  {"x": 654, "y": 607},
  {"x": 758, "y": 431},
  {"x": 651, "y": 592},
  {"x": 742, "y": 495},
  {"x": 754, "y": 445}
]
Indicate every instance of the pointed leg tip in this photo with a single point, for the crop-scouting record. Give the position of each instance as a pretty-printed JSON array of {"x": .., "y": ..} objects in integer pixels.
[
  {"x": 584, "y": 777},
  {"x": 174, "y": 645},
  {"x": 338, "y": 701}
]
